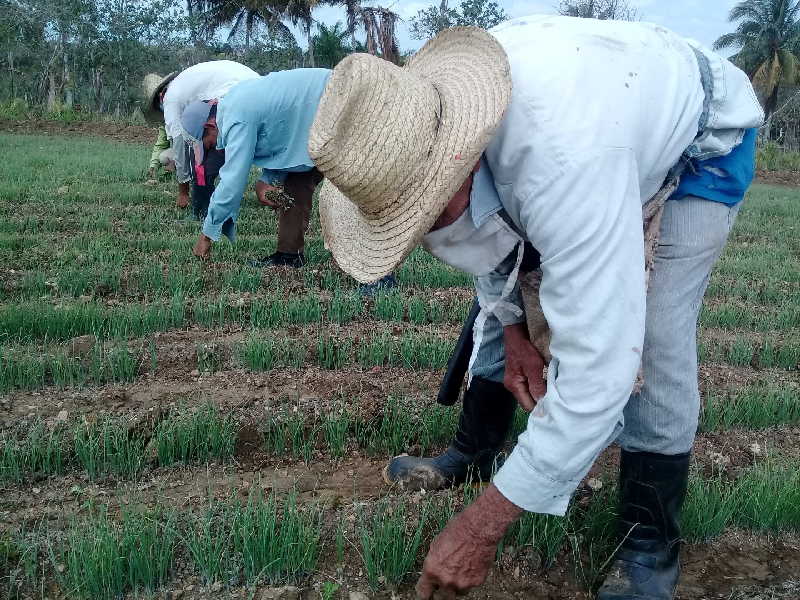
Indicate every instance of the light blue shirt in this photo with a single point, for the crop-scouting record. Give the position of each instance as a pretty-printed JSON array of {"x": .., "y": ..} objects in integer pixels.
[{"x": 266, "y": 122}]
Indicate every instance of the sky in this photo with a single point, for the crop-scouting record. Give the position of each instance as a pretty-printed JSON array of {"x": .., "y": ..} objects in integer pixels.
[{"x": 685, "y": 17}]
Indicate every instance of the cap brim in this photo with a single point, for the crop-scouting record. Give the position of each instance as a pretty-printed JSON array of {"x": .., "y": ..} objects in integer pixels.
[{"x": 470, "y": 71}]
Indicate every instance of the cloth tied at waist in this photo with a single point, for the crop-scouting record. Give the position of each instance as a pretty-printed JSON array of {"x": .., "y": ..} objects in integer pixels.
[{"x": 529, "y": 282}]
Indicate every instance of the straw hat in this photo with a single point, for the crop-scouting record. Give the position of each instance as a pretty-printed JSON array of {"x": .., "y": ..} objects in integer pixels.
[
  {"x": 396, "y": 143},
  {"x": 153, "y": 85}
]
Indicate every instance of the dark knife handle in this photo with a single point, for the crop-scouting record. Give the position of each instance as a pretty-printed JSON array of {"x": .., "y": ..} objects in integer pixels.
[{"x": 458, "y": 363}]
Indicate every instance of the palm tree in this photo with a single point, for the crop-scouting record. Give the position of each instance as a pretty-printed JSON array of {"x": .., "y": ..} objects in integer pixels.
[
  {"x": 243, "y": 15},
  {"x": 330, "y": 46},
  {"x": 768, "y": 36},
  {"x": 378, "y": 24},
  {"x": 298, "y": 12},
  {"x": 352, "y": 9}
]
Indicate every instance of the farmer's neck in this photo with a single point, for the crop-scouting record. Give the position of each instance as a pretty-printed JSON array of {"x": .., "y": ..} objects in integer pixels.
[{"x": 457, "y": 205}]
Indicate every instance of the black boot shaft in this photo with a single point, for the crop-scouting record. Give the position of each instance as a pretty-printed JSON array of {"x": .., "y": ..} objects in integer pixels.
[
  {"x": 487, "y": 413},
  {"x": 652, "y": 491},
  {"x": 653, "y": 488}
]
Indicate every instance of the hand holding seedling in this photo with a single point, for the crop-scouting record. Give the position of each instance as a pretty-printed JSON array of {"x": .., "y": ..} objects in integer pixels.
[
  {"x": 524, "y": 367},
  {"x": 273, "y": 196},
  {"x": 461, "y": 555},
  {"x": 263, "y": 193},
  {"x": 202, "y": 248}
]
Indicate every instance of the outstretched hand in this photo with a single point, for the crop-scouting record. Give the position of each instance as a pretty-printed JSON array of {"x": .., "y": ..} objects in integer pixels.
[
  {"x": 524, "y": 367},
  {"x": 262, "y": 191},
  {"x": 462, "y": 554},
  {"x": 202, "y": 248}
]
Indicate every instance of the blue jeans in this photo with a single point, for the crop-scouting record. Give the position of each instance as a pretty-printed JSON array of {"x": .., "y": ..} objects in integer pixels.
[{"x": 663, "y": 416}]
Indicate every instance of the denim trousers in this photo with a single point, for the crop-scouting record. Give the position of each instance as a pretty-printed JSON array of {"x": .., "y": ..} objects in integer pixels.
[{"x": 663, "y": 416}]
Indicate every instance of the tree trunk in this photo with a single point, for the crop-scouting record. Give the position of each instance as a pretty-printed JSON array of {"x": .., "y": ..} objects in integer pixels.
[
  {"x": 769, "y": 107},
  {"x": 192, "y": 24},
  {"x": 51, "y": 91},
  {"x": 310, "y": 47},
  {"x": 11, "y": 73},
  {"x": 67, "y": 84}
]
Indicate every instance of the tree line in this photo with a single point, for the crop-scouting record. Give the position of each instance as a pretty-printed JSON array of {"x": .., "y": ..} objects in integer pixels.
[{"x": 91, "y": 55}]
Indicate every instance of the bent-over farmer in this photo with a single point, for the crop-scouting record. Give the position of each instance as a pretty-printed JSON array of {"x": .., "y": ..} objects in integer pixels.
[
  {"x": 166, "y": 99},
  {"x": 557, "y": 133},
  {"x": 265, "y": 122}
]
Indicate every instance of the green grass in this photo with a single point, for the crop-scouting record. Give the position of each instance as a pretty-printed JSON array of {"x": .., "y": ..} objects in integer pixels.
[
  {"x": 390, "y": 542},
  {"x": 20, "y": 564},
  {"x": 20, "y": 368},
  {"x": 771, "y": 157},
  {"x": 87, "y": 249},
  {"x": 402, "y": 423},
  {"x": 200, "y": 435},
  {"x": 103, "y": 558},
  {"x": 109, "y": 447},
  {"x": 277, "y": 540},
  {"x": 262, "y": 539},
  {"x": 40, "y": 451},
  {"x": 40, "y": 321},
  {"x": 208, "y": 539},
  {"x": 414, "y": 350},
  {"x": 765, "y": 496},
  {"x": 743, "y": 351},
  {"x": 276, "y": 544},
  {"x": 756, "y": 406}
]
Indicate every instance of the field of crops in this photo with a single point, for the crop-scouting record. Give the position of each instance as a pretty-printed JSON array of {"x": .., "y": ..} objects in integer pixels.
[{"x": 176, "y": 429}]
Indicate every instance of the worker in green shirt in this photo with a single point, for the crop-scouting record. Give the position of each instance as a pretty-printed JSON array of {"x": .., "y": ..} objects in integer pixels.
[{"x": 162, "y": 156}]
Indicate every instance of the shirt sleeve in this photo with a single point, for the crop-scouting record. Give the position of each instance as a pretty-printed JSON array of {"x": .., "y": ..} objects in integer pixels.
[
  {"x": 162, "y": 143},
  {"x": 223, "y": 209},
  {"x": 273, "y": 177},
  {"x": 489, "y": 289},
  {"x": 587, "y": 226},
  {"x": 172, "y": 111}
]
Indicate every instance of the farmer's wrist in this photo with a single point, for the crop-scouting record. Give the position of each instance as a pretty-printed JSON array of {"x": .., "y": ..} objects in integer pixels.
[
  {"x": 490, "y": 515},
  {"x": 515, "y": 332}
]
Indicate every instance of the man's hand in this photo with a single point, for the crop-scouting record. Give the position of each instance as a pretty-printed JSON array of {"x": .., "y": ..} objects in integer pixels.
[
  {"x": 183, "y": 195},
  {"x": 202, "y": 248},
  {"x": 151, "y": 173},
  {"x": 461, "y": 555},
  {"x": 524, "y": 367},
  {"x": 262, "y": 189}
]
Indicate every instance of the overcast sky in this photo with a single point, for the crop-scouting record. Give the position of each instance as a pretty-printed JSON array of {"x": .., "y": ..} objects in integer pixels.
[{"x": 685, "y": 17}]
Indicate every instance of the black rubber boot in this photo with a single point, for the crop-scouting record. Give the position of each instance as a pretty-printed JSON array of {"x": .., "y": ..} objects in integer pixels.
[
  {"x": 486, "y": 416},
  {"x": 652, "y": 490},
  {"x": 280, "y": 259}
]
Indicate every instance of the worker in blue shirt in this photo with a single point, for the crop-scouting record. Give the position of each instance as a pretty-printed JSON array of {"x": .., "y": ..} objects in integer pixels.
[{"x": 263, "y": 121}]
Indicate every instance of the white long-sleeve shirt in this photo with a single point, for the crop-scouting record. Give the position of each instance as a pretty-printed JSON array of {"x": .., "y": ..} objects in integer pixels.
[
  {"x": 600, "y": 111},
  {"x": 203, "y": 81}
]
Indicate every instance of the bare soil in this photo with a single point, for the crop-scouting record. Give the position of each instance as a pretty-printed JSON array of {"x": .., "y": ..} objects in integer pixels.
[
  {"x": 119, "y": 132},
  {"x": 787, "y": 178},
  {"x": 737, "y": 566}
]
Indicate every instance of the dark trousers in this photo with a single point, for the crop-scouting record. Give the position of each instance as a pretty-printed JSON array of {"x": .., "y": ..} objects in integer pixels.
[
  {"x": 201, "y": 194},
  {"x": 293, "y": 222}
]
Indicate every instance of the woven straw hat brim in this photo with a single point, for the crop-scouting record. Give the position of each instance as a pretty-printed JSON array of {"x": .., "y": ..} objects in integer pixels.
[
  {"x": 470, "y": 72},
  {"x": 151, "y": 111}
]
